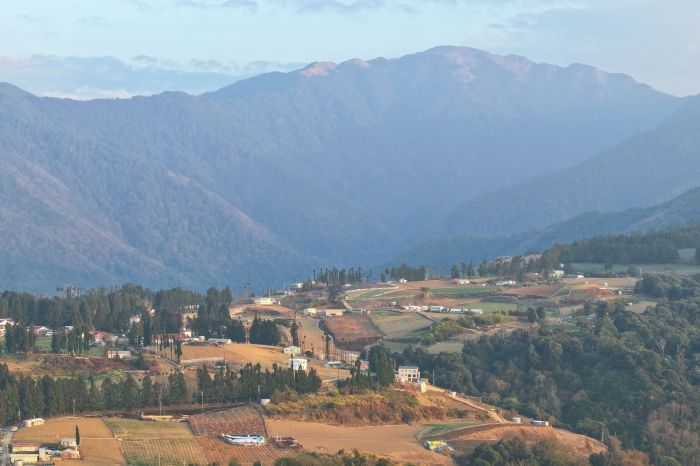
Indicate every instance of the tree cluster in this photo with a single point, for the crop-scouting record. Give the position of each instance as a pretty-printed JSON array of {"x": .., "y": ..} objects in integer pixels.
[{"x": 264, "y": 332}]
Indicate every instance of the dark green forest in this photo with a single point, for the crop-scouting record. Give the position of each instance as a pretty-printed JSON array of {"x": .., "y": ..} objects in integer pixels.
[{"x": 29, "y": 397}]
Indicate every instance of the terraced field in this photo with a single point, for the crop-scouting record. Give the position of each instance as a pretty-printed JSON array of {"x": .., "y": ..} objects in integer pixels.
[
  {"x": 150, "y": 452},
  {"x": 221, "y": 453},
  {"x": 244, "y": 420},
  {"x": 399, "y": 324}
]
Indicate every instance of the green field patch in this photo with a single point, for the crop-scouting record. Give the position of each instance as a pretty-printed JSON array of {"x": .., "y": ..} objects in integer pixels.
[
  {"x": 396, "y": 324},
  {"x": 368, "y": 294},
  {"x": 457, "y": 293}
]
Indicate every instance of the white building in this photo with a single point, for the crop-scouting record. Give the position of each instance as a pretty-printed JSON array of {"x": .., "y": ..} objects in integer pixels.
[
  {"x": 4, "y": 324},
  {"x": 298, "y": 363},
  {"x": 408, "y": 374},
  {"x": 264, "y": 301},
  {"x": 37, "y": 421},
  {"x": 310, "y": 311},
  {"x": 119, "y": 354},
  {"x": 292, "y": 350},
  {"x": 134, "y": 320},
  {"x": 69, "y": 442},
  {"x": 332, "y": 312}
]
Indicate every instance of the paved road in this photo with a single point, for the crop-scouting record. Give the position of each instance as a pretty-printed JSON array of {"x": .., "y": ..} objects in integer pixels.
[{"x": 6, "y": 435}]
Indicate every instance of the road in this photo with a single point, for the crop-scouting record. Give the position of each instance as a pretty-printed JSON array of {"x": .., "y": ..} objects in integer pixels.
[{"x": 6, "y": 439}]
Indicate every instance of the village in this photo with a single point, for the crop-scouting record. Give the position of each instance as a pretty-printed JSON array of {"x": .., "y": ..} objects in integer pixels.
[{"x": 328, "y": 337}]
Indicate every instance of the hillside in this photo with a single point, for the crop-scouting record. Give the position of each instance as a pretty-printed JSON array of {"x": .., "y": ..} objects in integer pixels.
[
  {"x": 273, "y": 176},
  {"x": 647, "y": 169},
  {"x": 443, "y": 252}
]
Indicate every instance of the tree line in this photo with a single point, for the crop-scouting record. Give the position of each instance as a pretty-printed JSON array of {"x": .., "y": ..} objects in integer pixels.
[{"x": 29, "y": 397}]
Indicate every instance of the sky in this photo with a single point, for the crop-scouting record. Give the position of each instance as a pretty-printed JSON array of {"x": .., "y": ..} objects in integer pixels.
[{"x": 119, "y": 48}]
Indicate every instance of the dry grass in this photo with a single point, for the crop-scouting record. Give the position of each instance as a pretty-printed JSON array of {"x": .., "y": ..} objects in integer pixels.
[
  {"x": 97, "y": 444},
  {"x": 239, "y": 354},
  {"x": 134, "y": 429},
  {"x": 540, "y": 291},
  {"x": 395, "y": 442},
  {"x": 399, "y": 324},
  {"x": 244, "y": 420},
  {"x": 21, "y": 364},
  {"x": 579, "y": 444},
  {"x": 163, "y": 452}
]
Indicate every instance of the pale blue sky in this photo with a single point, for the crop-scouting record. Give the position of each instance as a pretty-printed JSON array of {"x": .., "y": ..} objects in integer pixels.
[{"x": 88, "y": 48}]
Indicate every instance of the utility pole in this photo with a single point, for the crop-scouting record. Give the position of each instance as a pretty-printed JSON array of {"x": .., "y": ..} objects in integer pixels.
[{"x": 202, "y": 392}]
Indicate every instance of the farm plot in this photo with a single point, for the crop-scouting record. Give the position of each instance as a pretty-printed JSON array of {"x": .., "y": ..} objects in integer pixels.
[
  {"x": 219, "y": 452},
  {"x": 148, "y": 452},
  {"x": 399, "y": 324},
  {"x": 97, "y": 444},
  {"x": 396, "y": 442},
  {"x": 463, "y": 292},
  {"x": 244, "y": 420},
  {"x": 357, "y": 329},
  {"x": 134, "y": 429}
]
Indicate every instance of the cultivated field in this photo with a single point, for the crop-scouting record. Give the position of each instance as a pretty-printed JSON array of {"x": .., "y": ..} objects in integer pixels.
[
  {"x": 539, "y": 291},
  {"x": 165, "y": 452},
  {"x": 396, "y": 442},
  {"x": 221, "y": 453},
  {"x": 353, "y": 328},
  {"x": 244, "y": 420},
  {"x": 134, "y": 429},
  {"x": 399, "y": 324},
  {"x": 97, "y": 444}
]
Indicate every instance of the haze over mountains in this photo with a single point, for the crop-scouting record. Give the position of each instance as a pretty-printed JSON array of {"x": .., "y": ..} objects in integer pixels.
[{"x": 344, "y": 164}]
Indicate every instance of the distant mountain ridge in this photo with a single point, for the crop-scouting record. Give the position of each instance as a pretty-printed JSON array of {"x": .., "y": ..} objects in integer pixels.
[
  {"x": 264, "y": 180},
  {"x": 681, "y": 211}
]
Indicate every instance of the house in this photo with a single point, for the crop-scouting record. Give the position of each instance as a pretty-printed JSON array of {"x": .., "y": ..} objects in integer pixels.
[
  {"x": 292, "y": 350},
  {"x": 310, "y": 311},
  {"x": 24, "y": 452},
  {"x": 70, "y": 454},
  {"x": 4, "y": 324},
  {"x": 298, "y": 363},
  {"x": 436, "y": 308},
  {"x": 476, "y": 312},
  {"x": 332, "y": 312},
  {"x": 37, "y": 421},
  {"x": 408, "y": 374},
  {"x": 40, "y": 330},
  {"x": 133, "y": 320},
  {"x": 403, "y": 280},
  {"x": 186, "y": 318},
  {"x": 505, "y": 283},
  {"x": 460, "y": 281},
  {"x": 69, "y": 442},
  {"x": 264, "y": 301},
  {"x": 119, "y": 354},
  {"x": 558, "y": 273}
]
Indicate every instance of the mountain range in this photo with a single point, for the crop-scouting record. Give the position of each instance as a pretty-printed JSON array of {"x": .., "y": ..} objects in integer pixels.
[
  {"x": 332, "y": 164},
  {"x": 441, "y": 253}
]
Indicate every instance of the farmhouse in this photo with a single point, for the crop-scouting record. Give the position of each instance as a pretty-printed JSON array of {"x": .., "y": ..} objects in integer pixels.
[
  {"x": 297, "y": 363},
  {"x": 264, "y": 301},
  {"x": 24, "y": 452},
  {"x": 4, "y": 323},
  {"x": 332, "y": 312},
  {"x": 292, "y": 350},
  {"x": 33, "y": 422},
  {"x": 69, "y": 442},
  {"x": 119, "y": 354},
  {"x": 408, "y": 374},
  {"x": 40, "y": 330},
  {"x": 310, "y": 311}
]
